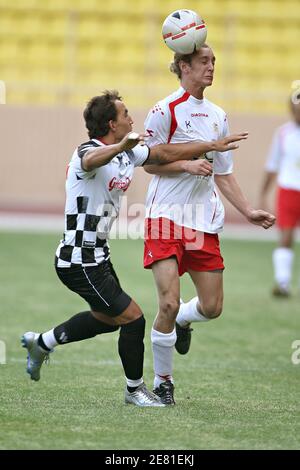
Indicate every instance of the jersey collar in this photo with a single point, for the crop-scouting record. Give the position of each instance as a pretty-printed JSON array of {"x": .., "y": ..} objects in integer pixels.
[{"x": 191, "y": 97}]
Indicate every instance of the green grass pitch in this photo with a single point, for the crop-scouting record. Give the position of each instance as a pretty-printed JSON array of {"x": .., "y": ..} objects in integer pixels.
[{"x": 236, "y": 389}]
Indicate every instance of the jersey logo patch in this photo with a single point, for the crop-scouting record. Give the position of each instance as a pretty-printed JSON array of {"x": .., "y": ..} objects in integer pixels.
[
  {"x": 123, "y": 185},
  {"x": 199, "y": 115}
]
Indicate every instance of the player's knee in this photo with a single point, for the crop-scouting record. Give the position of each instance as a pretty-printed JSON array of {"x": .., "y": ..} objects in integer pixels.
[
  {"x": 134, "y": 327},
  {"x": 212, "y": 310},
  {"x": 169, "y": 308},
  {"x": 132, "y": 313}
]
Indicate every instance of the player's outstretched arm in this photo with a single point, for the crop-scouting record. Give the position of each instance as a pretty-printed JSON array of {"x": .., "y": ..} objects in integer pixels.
[
  {"x": 229, "y": 142},
  {"x": 102, "y": 155},
  {"x": 233, "y": 193},
  {"x": 168, "y": 153}
]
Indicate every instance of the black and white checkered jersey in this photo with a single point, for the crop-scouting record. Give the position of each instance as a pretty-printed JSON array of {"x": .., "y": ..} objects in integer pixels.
[{"x": 92, "y": 197}]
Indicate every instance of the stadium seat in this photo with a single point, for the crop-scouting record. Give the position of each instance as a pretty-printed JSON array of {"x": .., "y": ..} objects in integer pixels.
[{"x": 79, "y": 38}]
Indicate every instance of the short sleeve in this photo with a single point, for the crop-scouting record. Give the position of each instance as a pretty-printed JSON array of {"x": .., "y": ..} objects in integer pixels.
[
  {"x": 81, "y": 151},
  {"x": 157, "y": 125},
  {"x": 139, "y": 154},
  {"x": 223, "y": 164},
  {"x": 273, "y": 158}
]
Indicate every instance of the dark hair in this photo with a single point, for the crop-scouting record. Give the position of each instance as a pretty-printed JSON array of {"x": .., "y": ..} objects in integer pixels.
[
  {"x": 187, "y": 58},
  {"x": 99, "y": 111}
]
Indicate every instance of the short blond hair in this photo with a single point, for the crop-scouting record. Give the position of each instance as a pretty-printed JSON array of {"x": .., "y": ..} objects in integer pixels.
[{"x": 187, "y": 58}]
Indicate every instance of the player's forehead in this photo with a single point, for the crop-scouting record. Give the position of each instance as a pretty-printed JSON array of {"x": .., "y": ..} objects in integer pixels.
[
  {"x": 206, "y": 52},
  {"x": 120, "y": 107}
]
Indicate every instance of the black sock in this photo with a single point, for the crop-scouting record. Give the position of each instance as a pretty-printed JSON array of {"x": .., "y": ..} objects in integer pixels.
[
  {"x": 131, "y": 389},
  {"x": 81, "y": 326},
  {"x": 131, "y": 348}
]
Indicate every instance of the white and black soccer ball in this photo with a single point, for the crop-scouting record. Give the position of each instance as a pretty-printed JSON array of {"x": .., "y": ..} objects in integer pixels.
[{"x": 184, "y": 31}]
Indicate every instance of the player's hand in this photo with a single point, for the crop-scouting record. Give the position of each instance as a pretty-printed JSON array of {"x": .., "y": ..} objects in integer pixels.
[
  {"x": 131, "y": 140},
  {"x": 262, "y": 218},
  {"x": 229, "y": 142},
  {"x": 198, "y": 167}
]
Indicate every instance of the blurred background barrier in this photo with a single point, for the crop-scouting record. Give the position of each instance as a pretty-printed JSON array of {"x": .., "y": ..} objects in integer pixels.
[
  {"x": 56, "y": 54},
  {"x": 37, "y": 144}
]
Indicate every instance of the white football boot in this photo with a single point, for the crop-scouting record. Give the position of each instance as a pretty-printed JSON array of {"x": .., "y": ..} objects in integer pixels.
[
  {"x": 142, "y": 397},
  {"x": 36, "y": 355}
]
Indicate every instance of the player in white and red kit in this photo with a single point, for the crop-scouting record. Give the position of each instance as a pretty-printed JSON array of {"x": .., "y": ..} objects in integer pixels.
[
  {"x": 283, "y": 163},
  {"x": 182, "y": 205}
]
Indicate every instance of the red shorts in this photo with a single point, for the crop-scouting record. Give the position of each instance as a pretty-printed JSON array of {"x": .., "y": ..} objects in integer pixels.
[
  {"x": 288, "y": 208},
  {"x": 194, "y": 250}
]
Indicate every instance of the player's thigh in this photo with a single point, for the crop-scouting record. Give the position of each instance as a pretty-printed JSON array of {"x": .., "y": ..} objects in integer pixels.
[
  {"x": 166, "y": 278},
  {"x": 209, "y": 286},
  {"x": 100, "y": 287}
]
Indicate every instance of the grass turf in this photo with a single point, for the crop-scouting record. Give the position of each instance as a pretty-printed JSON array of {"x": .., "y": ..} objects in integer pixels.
[{"x": 236, "y": 389}]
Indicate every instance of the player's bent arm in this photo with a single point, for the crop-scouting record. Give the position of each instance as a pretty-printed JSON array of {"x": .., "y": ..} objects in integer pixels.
[
  {"x": 230, "y": 188},
  {"x": 194, "y": 167},
  {"x": 99, "y": 157},
  {"x": 103, "y": 155},
  {"x": 166, "y": 170},
  {"x": 168, "y": 153}
]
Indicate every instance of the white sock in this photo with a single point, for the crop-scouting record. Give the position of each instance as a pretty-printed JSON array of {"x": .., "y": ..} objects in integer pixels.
[
  {"x": 163, "y": 349},
  {"x": 49, "y": 339},
  {"x": 283, "y": 262},
  {"x": 189, "y": 313},
  {"x": 134, "y": 383}
]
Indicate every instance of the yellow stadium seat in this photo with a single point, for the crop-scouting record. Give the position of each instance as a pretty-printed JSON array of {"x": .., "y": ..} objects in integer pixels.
[
  {"x": 55, "y": 5},
  {"x": 290, "y": 34},
  {"x": 94, "y": 45},
  {"x": 27, "y": 24},
  {"x": 7, "y": 24},
  {"x": 11, "y": 72},
  {"x": 123, "y": 7},
  {"x": 90, "y": 55},
  {"x": 10, "y": 51},
  {"x": 88, "y": 26}
]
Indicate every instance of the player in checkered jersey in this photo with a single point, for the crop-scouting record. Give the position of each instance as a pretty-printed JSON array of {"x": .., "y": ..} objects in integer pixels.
[
  {"x": 184, "y": 215},
  {"x": 283, "y": 163},
  {"x": 99, "y": 173}
]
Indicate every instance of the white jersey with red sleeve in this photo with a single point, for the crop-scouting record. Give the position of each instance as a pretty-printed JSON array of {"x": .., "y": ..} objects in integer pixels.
[
  {"x": 284, "y": 156},
  {"x": 189, "y": 200}
]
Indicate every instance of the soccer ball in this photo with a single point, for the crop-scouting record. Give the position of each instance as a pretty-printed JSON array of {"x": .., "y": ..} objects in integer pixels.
[{"x": 184, "y": 31}]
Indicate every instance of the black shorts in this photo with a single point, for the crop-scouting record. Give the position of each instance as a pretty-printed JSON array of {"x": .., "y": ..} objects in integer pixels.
[{"x": 98, "y": 285}]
